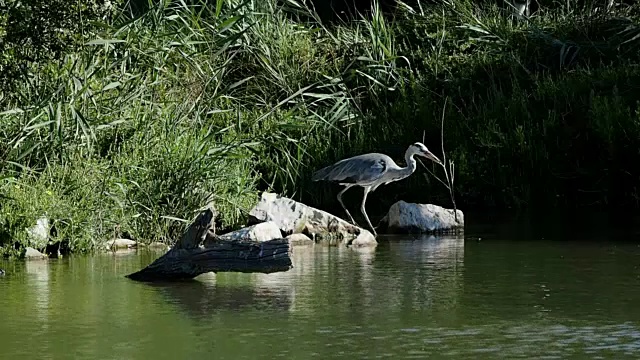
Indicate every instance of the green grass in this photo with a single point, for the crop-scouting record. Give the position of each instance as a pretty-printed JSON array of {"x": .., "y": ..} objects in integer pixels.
[{"x": 145, "y": 121}]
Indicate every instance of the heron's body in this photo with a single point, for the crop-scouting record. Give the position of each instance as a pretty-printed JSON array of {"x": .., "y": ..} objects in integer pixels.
[
  {"x": 370, "y": 171},
  {"x": 367, "y": 170}
]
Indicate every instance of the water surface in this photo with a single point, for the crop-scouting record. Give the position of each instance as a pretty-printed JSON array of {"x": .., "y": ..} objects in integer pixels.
[{"x": 412, "y": 297}]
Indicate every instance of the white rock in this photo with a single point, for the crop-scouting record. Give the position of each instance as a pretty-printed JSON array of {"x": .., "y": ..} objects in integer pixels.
[
  {"x": 411, "y": 217},
  {"x": 39, "y": 233},
  {"x": 299, "y": 239},
  {"x": 365, "y": 238},
  {"x": 121, "y": 244},
  {"x": 32, "y": 253},
  {"x": 260, "y": 232},
  {"x": 293, "y": 217}
]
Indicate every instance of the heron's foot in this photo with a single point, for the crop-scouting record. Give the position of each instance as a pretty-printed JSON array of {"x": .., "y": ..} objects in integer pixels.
[{"x": 373, "y": 230}]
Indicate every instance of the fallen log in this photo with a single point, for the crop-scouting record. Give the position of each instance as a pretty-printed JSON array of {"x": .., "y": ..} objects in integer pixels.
[{"x": 190, "y": 258}]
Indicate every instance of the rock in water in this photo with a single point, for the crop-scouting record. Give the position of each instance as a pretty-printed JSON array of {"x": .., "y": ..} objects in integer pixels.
[
  {"x": 299, "y": 239},
  {"x": 406, "y": 217},
  {"x": 38, "y": 234},
  {"x": 31, "y": 253},
  {"x": 293, "y": 217},
  {"x": 121, "y": 244},
  {"x": 260, "y": 232}
]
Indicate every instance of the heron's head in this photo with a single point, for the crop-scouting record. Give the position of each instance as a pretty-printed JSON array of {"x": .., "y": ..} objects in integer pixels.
[{"x": 420, "y": 149}]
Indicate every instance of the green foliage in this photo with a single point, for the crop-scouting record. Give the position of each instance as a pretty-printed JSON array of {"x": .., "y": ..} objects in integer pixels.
[
  {"x": 35, "y": 31},
  {"x": 156, "y": 117},
  {"x": 132, "y": 125}
]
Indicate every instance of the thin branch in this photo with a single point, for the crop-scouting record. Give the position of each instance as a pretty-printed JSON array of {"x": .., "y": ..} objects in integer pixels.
[
  {"x": 447, "y": 166},
  {"x": 432, "y": 174},
  {"x": 444, "y": 155}
]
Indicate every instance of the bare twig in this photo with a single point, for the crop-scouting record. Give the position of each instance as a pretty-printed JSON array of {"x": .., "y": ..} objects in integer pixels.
[
  {"x": 432, "y": 174},
  {"x": 448, "y": 167}
]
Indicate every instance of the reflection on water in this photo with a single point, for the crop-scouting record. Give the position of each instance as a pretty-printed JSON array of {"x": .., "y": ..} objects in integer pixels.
[
  {"x": 38, "y": 273},
  {"x": 427, "y": 271},
  {"x": 411, "y": 297},
  {"x": 310, "y": 262},
  {"x": 200, "y": 298}
]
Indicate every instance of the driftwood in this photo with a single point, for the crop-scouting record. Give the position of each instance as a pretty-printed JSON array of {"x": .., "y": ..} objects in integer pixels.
[{"x": 190, "y": 258}]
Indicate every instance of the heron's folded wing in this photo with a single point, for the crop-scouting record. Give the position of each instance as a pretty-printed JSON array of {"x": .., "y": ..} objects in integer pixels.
[{"x": 358, "y": 170}]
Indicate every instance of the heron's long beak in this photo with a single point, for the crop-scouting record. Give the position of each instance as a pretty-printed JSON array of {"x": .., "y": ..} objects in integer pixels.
[{"x": 432, "y": 157}]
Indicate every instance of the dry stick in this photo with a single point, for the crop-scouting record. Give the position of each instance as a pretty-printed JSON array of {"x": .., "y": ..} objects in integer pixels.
[
  {"x": 449, "y": 173},
  {"x": 432, "y": 174}
]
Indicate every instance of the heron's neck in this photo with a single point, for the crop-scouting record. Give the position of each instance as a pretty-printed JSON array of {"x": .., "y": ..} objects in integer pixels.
[{"x": 411, "y": 164}]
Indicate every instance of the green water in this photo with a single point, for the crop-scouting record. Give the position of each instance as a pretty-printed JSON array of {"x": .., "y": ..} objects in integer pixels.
[{"x": 413, "y": 297}]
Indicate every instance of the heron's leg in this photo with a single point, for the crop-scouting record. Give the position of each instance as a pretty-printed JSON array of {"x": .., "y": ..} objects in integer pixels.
[
  {"x": 344, "y": 207},
  {"x": 364, "y": 212}
]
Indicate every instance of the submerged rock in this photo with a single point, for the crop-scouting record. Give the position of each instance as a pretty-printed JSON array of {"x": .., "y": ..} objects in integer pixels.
[
  {"x": 31, "y": 253},
  {"x": 406, "y": 217},
  {"x": 260, "y": 232},
  {"x": 121, "y": 244},
  {"x": 293, "y": 217},
  {"x": 158, "y": 245},
  {"x": 364, "y": 239},
  {"x": 299, "y": 239}
]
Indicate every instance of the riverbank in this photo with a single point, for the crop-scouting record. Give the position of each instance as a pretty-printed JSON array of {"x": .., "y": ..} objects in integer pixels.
[{"x": 140, "y": 123}]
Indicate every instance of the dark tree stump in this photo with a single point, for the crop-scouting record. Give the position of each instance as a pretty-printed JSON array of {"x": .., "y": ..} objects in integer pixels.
[{"x": 189, "y": 258}]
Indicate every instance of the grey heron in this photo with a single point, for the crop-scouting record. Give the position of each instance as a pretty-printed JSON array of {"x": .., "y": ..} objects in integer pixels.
[{"x": 370, "y": 171}]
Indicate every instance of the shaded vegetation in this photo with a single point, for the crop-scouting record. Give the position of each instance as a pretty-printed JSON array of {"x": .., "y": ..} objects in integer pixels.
[{"x": 128, "y": 125}]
